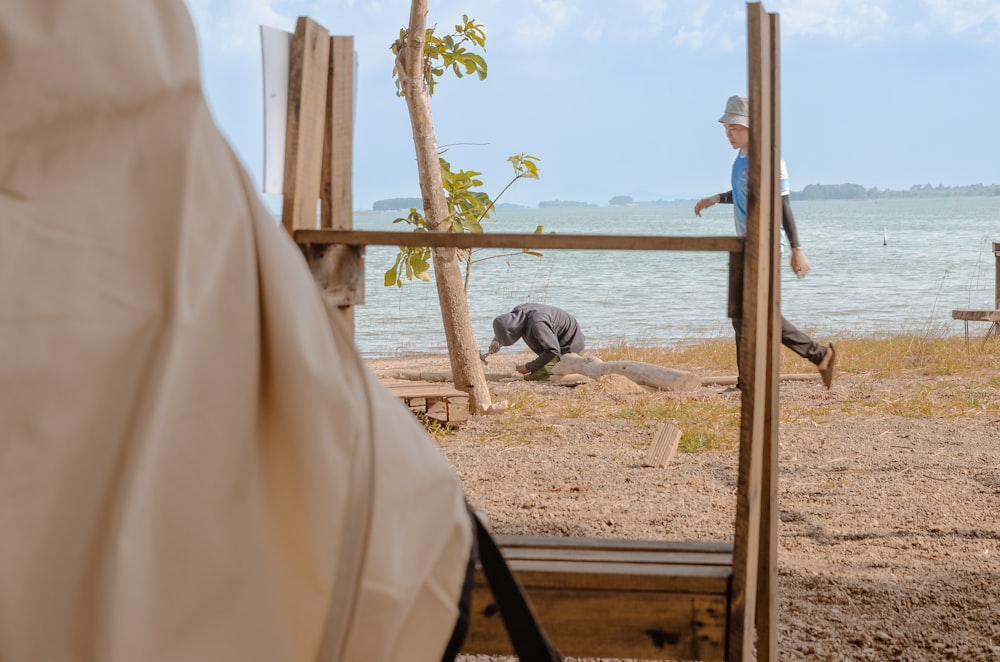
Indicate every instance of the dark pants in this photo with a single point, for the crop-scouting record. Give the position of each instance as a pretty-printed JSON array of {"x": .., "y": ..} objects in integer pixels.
[{"x": 791, "y": 337}]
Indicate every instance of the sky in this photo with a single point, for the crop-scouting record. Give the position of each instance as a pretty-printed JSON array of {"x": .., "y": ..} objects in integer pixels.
[{"x": 623, "y": 98}]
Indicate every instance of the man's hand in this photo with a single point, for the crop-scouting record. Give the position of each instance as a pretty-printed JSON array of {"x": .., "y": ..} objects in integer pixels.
[
  {"x": 522, "y": 368},
  {"x": 705, "y": 203},
  {"x": 800, "y": 263}
]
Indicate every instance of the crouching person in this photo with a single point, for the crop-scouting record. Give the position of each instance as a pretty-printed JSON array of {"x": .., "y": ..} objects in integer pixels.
[{"x": 547, "y": 330}]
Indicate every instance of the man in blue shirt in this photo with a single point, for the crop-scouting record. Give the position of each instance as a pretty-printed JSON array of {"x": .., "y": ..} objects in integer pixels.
[{"x": 736, "y": 120}]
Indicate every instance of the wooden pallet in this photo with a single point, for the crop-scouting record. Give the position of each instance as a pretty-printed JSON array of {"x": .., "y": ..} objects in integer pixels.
[
  {"x": 614, "y": 598},
  {"x": 440, "y": 402}
]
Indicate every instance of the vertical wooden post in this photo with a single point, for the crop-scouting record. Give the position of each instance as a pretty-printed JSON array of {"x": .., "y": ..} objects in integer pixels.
[
  {"x": 336, "y": 205},
  {"x": 753, "y": 595},
  {"x": 767, "y": 564},
  {"x": 338, "y": 143},
  {"x": 307, "y": 84},
  {"x": 996, "y": 284}
]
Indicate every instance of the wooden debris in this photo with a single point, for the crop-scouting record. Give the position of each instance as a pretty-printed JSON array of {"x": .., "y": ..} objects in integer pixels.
[
  {"x": 646, "y": 374},
  {"x": 664, "y": 446}
]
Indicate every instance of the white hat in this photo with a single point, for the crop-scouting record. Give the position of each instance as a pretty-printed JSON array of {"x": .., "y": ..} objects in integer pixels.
[{"x": 737, "y": 112}]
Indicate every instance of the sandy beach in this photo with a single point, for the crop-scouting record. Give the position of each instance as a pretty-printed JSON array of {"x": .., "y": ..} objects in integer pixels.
[{"x": 889, "y": 541}]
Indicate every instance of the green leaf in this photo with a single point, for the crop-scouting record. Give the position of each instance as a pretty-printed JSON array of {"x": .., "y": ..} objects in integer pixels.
[{"x": 390, "y": 277}]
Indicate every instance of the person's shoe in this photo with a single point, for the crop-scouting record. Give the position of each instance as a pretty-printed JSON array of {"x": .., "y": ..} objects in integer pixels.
[
  {"x": 827, "y": 365},
  {"x": 729, "y": 389}
]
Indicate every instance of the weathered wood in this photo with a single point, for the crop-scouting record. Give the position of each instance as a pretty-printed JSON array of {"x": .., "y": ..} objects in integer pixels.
[
  {"x": 760, "y": 343},
  {"x": 766, "y": 615},
  {"x": 338, "y": 141},
  {"x": 436, "y": 376},
  {"x": 970, "y": 315},
  {"x": 340, "y": 270},
  {"x": 307, "y": 83},
  {"x": 438, "y": 401},
  {"x": 645, "y": 374},
  {"x": 519, "y": 240},
  {"x": 992, "y": 316},
  {"x": 664, "y": 446},
  {"x": 614, "y": 598}
]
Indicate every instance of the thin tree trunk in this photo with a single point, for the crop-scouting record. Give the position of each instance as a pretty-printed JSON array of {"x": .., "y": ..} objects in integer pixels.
[{"x": 462, "y": 351}]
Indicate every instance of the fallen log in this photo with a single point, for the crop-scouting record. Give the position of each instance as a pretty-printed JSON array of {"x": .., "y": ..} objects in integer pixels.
[{"x": 644, "y": 374}]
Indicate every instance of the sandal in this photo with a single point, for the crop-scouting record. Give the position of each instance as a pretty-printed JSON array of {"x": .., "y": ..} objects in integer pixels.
[{"x": 826, "y": 374}]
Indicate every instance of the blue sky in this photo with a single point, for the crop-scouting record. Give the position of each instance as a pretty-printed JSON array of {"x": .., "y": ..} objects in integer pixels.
[{"x": 623, "y": 98}]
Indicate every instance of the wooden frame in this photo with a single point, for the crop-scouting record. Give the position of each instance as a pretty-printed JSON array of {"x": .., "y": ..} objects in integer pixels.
[
  {"x": 992, "y": 316},
  {"x": 738, "y": 595}
]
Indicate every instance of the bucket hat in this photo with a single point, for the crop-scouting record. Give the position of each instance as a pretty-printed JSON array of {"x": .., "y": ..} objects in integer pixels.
[{"x": 737, "y": 112}]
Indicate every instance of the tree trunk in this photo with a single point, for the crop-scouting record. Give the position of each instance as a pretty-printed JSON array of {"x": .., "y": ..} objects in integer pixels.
[
  {"x": 644, "y": 374},
  {"x": 466, "y": 365}
]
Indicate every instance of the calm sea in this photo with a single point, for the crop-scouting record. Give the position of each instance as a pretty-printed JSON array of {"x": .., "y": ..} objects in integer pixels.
[{"x": 878, "y": 267}]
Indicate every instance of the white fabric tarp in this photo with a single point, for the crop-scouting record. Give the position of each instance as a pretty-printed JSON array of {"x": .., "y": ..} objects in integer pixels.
[{"x": 194, "y": 464}]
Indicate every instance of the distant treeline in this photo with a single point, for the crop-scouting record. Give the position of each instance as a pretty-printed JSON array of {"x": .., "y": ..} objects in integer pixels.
[
  {"x": 810, "y": 192},
  {"x": 857, "y": 191},
  {"x": 563, "y": 203},
  {"x": 390, "y": 204}
]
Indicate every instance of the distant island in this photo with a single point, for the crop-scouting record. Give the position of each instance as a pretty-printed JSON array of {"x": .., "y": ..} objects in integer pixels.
[
  {"x": 395, "y": 204},
  {"x": 563, "y": 203},
  {"x": 809, "y": 192},
  {"x": 858, "y": 192}
]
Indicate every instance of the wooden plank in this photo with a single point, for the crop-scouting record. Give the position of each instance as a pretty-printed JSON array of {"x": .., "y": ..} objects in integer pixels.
[
  {"x": 423, "y": 389},
  {"x": 509, "y": 542},
  {"x": 609, "y": 623},
  {"x": 766, "y": 621},
  {"x": 307, "y": 83},
  {"x": 338, "y": 141},
  {"x": 664, "y": 446},
  {"x": 518, "y": 240},
  {"x": 608, "y": 575},
  {"x": 755, "y": 334},
  {"x": 996, "y": 282},
  {"x": 976, "y": 315},
  {"x": 336, "y": 196},
  {"x": 653, "y": 557}
]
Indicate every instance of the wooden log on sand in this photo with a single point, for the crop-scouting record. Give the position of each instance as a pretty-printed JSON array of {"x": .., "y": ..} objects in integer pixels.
[{"x": 645, "y": 374}]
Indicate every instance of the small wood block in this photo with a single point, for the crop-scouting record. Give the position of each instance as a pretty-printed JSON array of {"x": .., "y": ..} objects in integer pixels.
[{"x": 664, "y": 446}]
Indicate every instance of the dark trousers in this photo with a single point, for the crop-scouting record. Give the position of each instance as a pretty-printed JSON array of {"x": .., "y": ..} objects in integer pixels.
[{"x": 791, "y": 337}]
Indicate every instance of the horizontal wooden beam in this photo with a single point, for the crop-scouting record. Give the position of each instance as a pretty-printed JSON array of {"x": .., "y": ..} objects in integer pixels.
[
  {"x": 513, "y": 240},
  {"x": 976, "y": 315}
]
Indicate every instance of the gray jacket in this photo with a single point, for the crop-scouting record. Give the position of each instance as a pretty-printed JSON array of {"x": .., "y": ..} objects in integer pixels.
[{"x": 549, "y": 331}]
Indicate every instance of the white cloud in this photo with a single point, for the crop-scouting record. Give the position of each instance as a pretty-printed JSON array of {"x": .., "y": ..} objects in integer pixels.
[
  {"x": 977, "y": 18},
  {"x": 234, "y": 27},
  {"x": 838, "y": 20},
  {"x": 888, "y": 20}
]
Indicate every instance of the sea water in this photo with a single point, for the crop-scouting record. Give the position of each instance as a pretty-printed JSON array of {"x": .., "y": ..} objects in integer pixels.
[{"x": 878, "y": 267}]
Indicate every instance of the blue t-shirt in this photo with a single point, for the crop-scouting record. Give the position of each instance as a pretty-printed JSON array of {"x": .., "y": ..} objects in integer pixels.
[{"x": 739, "y": 182}]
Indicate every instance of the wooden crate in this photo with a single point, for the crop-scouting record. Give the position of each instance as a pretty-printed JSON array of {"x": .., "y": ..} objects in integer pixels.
[{"x": 614, "y": 598}]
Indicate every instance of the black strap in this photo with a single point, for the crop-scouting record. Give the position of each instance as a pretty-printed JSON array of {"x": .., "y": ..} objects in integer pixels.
[{"x": 525, "y": 632}]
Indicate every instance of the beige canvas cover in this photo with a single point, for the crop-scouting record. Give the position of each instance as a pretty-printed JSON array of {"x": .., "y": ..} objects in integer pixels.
[{"x": 194, "y": 464}]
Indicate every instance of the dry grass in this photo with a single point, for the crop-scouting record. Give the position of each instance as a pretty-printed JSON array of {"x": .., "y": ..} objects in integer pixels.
[
  {"x": 919, "y": 375},
  {"x": 923, "y": 375},
  {"x": 926, "y": 352}
]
